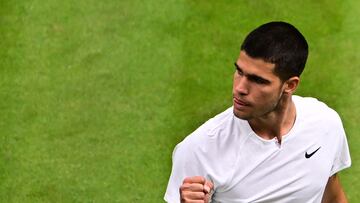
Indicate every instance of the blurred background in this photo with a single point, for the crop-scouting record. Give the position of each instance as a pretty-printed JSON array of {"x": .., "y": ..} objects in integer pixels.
[{"x": 94, "y": 95}]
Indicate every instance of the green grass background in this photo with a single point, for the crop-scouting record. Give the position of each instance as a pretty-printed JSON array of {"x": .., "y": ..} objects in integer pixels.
[{"x": 94, "y": 95}]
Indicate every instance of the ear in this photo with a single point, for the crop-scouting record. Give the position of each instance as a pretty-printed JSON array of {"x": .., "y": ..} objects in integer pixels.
[{"x": 291, "y": 85}]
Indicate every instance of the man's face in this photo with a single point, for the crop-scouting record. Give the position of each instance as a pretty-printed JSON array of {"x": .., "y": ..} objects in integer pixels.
[{"x": 256, "y": 89}]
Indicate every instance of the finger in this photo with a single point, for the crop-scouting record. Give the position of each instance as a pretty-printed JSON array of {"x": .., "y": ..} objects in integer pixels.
[
  {"x": 196, "y": 187},
  {"x": 208, "y": 186},
  {"x": 191, "y": 201},
  {"x": 207, "y": 198},
  {"x": 193, "y": 195},
  {"x": 194, "y": 179}
]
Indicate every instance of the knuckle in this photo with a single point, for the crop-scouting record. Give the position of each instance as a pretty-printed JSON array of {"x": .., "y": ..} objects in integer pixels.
[
  {"x": 185, "y": 199},
  {"x": 186, "y": 180},
  {"x": 182, "y": 187}
]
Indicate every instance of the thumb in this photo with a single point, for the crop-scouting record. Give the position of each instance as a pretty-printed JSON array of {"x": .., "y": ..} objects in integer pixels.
[
  {"x": 209, "y": 190},
  {"x": 208, "y": 186}
]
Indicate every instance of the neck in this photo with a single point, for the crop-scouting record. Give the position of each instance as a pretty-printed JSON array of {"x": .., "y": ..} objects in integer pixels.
[{"x": 277, "y": 122}]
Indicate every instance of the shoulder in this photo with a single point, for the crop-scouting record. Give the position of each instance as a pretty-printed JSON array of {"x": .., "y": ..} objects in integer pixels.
[
  {"x": 312, "y": 108},
  {"x": 213, "y": 134},
  {"x": 318, "y": 117},
  {"x": 214, "y": 145},
  {"x": 210, "y": 127}
]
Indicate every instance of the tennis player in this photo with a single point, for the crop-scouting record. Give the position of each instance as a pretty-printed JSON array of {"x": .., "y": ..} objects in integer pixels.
[{"x": 270, "y": 145}]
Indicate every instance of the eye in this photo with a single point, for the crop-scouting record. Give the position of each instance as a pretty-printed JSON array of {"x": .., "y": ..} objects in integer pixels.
[
  {"x": 259, "y": 80},
  {"x": 238, "y": 70}
]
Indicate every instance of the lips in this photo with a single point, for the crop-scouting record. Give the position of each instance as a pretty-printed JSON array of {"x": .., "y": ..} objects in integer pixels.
[{"x": 241, "y": 102}]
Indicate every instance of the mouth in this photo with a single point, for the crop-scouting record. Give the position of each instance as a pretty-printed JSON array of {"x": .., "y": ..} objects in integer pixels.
[{"x": 241, "y": 103}]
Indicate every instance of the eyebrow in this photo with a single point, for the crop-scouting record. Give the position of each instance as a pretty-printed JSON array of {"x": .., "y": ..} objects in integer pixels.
[{"x": 253, "y": 77}]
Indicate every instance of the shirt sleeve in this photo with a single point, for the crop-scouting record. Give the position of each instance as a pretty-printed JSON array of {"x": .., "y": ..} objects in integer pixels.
[
  {"x": 342, "y": 158},
  {"x": 186, "y": 162}
]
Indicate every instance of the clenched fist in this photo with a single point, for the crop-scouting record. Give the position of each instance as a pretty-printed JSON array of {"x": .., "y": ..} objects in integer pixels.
[{"x": 196, "y": 190}]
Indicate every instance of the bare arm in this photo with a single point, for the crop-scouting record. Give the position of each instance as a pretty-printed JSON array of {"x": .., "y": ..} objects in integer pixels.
[{"x": 333, "y": 191}]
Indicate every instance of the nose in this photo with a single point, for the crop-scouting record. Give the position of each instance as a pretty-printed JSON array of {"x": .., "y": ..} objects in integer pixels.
[{"x": 241, "y": 86}]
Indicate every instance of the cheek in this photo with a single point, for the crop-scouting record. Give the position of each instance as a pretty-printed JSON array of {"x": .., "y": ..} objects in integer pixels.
[{"x": 265, "y": 95}]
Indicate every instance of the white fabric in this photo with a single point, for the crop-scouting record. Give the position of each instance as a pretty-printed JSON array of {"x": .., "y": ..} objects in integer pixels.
[{"x": 247, "y": 168}]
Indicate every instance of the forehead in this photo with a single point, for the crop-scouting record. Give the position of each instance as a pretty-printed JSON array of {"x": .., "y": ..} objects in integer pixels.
[{"x": 255, "y": 66}]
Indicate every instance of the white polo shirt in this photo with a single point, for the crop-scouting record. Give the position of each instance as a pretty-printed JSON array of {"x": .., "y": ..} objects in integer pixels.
[{"x": 246, "y": 168}]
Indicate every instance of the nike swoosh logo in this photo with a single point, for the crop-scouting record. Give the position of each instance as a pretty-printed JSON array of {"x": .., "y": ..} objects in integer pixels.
[{"x": 312, "y": 153}]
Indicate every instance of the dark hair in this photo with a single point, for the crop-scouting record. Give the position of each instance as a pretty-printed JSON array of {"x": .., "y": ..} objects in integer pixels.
[{"x": 279, "y": 43}]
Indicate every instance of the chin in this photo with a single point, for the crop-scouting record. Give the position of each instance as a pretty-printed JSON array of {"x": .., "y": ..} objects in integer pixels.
[{"x": 241, "y": 115}]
